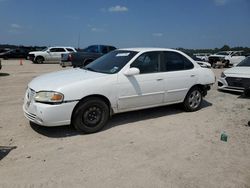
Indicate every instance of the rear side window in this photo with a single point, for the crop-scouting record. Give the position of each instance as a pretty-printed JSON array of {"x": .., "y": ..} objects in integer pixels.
[
  {"x": 111, "y": 48},
  {"x": 70, "y": 50},
  {"x": 104, "y": 49},
  {"x": 174, "y": 61},
  {"x": 91, "y": 49},
  {"x": 57, "y": 50}
]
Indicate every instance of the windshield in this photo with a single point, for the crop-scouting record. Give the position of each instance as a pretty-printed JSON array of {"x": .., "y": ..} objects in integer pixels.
[
  {"x": 112, "y": 62},
  {"x": 244, "y": 63},
  {"x": 45, "y": 49},
  {"x": 222, "y": 53}
]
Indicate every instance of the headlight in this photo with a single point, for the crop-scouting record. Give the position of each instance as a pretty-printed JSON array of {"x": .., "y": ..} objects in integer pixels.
[
  {"x": 49, "y": 97},
  {"x": 222, "y": 75}
]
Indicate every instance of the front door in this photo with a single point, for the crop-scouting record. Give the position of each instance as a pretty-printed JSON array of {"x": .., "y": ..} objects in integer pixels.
[{"x": 145, "y": 89}]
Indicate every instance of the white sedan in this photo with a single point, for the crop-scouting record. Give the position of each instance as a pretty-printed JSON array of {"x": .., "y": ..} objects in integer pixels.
[
  {"x": 236, "y": 78},
  {"x": 122, "y": 80}
]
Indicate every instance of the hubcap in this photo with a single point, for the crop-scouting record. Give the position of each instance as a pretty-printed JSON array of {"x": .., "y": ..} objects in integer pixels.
[
  {"x": 194, "y": 99},
  {"x": 92, "y": 116},
  {"x": 39, "y": 60}
]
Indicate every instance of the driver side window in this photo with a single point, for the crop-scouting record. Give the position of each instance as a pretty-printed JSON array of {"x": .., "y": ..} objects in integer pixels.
[{"x": 147, "y": 62}]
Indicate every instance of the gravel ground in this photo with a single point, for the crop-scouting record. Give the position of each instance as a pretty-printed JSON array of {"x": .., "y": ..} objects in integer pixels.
[{"x": 159, "y": 147}]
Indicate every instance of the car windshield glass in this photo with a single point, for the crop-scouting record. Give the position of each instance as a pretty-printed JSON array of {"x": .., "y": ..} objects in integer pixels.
[
  {"x": 222, "y": 53},
  {"x": 45, "y": 49},
  {"x": 112, "y": 62},
  {"x": 244, "y": 63}
]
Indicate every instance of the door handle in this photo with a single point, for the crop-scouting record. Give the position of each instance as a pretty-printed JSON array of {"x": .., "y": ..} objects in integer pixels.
[
  {"x": 192, "y": 75},
  {"x": 159, "y": 79}
]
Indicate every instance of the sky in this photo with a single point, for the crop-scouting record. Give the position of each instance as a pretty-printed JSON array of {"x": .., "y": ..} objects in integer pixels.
[{"x": 196, "y": 24}]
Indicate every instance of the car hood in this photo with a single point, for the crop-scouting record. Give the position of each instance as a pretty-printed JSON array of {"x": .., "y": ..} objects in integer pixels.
[
  {"x": 238, "y": 71},
  {"x": 36, "y": 52},
  {"x": 57, "y": 80},
  {"x": 3, "y": 53}
]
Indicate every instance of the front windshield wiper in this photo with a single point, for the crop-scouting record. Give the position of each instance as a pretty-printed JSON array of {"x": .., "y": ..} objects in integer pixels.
[{"x": 88, "y": 68}]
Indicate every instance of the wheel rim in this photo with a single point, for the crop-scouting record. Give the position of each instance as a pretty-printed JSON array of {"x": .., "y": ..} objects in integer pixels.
[
  {"x": 39, "y": 60},
  {"x": 92, "y": 116},
  {"x": 194, "y": 99}
]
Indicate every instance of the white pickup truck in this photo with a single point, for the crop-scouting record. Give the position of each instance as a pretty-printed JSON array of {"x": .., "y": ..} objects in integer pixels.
[
  {"x": 227, "y": 58},
  {"x": 234, "y": 58},
  {"x": 50, "y": 55}
]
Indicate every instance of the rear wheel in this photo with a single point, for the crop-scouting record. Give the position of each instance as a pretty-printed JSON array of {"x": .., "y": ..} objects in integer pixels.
[
  {"x": 193, "y": 100},
  {"x": 91, "y": 115}
]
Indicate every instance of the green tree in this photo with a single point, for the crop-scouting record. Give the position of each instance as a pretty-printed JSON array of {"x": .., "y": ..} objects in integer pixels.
[{"x": 225, "y": 48}]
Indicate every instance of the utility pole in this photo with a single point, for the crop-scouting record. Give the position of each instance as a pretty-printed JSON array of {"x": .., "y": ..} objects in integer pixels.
[{"x": 79, "y": 38}]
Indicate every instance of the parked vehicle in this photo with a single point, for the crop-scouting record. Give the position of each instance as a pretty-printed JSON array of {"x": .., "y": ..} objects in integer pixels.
[
  {"x": 236, "y": 78},
  {"x": 84, "y": 57},
  {"x": 203, "y": 56},
  {"x": 49, "y": 55},
  {"x": 234, "y": 58},
  {"x": 226, "y": 58},
  {"x": 122, "y": 80},
  {"x": 201, "y": 62},
  {"x": 14, "y": 53}
]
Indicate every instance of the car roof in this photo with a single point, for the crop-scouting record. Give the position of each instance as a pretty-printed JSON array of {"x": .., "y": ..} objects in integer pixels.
[
  {"x": 61, "y": 47},
  {"x": 148, "y": 49}
]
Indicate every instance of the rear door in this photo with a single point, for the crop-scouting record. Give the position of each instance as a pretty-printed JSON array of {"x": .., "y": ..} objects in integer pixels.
[
  {"x": 55, "y": 54},
  {"x": 179, "y": 78}
]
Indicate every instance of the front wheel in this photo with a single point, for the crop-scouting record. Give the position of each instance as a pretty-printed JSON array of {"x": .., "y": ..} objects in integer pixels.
[
  {"x": 91, "y": 115},
  {"x": 193, "y": 100},
  {"x": 226, "y": 63},
  {"x": 39, "y": 60}
]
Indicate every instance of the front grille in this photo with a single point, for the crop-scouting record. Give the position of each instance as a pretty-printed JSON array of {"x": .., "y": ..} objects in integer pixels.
[{"x": 238, "y": 82}]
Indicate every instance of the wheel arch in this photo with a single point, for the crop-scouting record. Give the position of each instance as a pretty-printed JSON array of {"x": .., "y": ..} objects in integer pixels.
[
  {"x": 97, "y": 96},
  {"x": 202, "y": 88},
  {"x": 39, "y": 56}
]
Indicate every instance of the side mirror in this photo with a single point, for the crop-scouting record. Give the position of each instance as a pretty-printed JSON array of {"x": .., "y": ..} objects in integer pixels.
[
  {"x": 132, "y": 71},
  {"x": 48, "y": 51}
]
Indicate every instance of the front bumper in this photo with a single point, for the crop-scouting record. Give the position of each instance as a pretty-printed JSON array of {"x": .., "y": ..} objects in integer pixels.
[
  {"x": 47, "y": 114},
  {"x": 31, "y": 57},
  {"x": 233, "y": 84}
]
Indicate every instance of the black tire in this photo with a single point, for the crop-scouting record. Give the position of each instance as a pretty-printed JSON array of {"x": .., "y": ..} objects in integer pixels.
[
  {"x": 247, "y": 92},
  {"x": 91, "y": 115},
  {"x": 39, "y": 60},
  {"x": 226, "y": 65},
  {"x": 193, "y": 100}
]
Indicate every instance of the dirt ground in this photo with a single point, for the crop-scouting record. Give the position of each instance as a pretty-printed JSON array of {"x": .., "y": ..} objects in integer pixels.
[{"x": 159, "y": 147}]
